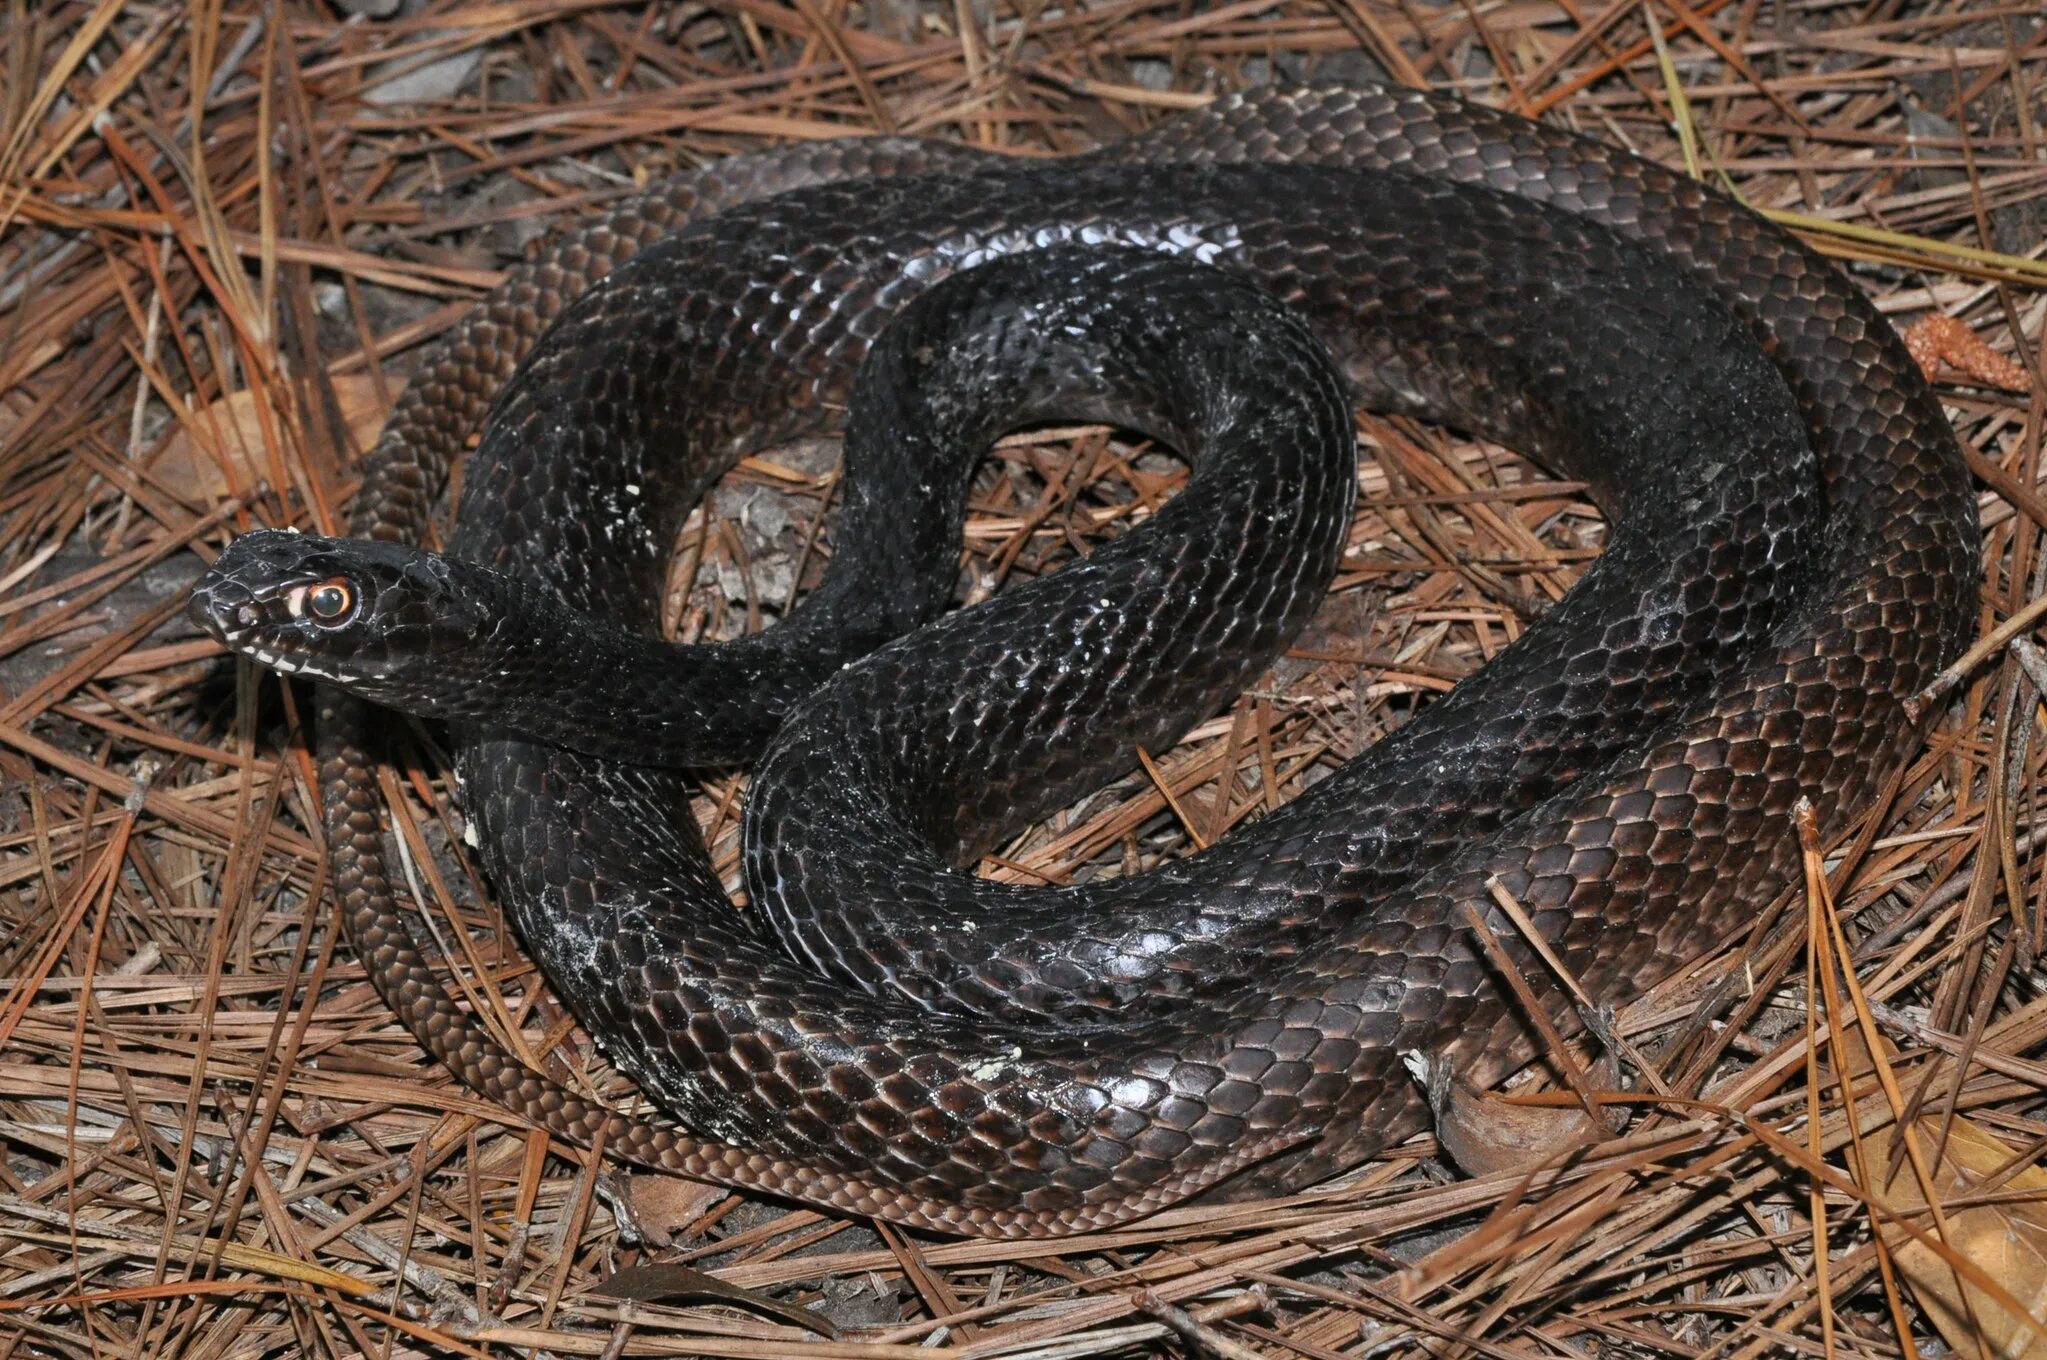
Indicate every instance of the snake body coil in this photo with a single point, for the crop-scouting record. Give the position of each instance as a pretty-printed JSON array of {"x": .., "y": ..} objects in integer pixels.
[{"x": 1628, "y": 774}]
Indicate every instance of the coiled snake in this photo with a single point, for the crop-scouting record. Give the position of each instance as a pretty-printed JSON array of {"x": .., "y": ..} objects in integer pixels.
[{"x": 1794, "y": 554}]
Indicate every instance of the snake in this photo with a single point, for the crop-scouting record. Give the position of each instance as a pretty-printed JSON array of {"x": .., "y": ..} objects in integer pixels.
[{"x": 1794, "y": 557}]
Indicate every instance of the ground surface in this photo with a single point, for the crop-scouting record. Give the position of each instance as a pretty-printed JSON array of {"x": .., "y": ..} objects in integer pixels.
[{"x": 225, "y": 230}]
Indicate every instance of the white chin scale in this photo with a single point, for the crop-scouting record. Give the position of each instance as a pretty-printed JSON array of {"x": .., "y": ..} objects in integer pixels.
[{"x": 285, "y": 666}]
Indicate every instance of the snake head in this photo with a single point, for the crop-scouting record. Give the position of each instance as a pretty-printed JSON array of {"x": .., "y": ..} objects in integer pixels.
[{"x": 355, "y": 612}]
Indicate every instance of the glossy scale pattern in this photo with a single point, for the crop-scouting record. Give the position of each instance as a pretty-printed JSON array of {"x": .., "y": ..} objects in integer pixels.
[{"x": 1630, "y": 859}]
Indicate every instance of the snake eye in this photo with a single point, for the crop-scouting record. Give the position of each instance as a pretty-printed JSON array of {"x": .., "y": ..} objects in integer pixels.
[{"x": 330, "y": 601}]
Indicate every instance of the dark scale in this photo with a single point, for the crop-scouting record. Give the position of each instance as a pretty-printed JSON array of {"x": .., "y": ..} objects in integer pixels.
[{"x": 1793, "y": 554}]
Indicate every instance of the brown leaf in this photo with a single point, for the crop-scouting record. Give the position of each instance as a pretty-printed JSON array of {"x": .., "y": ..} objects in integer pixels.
[
  {"x": 664, "y": 1206},
  {"x": 1487, "y": 1133},
  {"x": 221, "y": 450},
  {"x": 2005, "y": 1242},
  {"x": 659, "y": 1283}
]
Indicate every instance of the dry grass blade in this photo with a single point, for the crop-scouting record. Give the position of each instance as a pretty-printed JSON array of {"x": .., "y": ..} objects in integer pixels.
[
  {"x": 225, "y": 230},
  {"x": 1982, "y": 1271}
]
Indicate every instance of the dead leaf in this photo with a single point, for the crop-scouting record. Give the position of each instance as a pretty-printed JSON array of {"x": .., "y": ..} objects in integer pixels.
[
  {"x": 196, "y": 461},
  {"x": 1979, "y": 1268},
  {"x": 2007, "y": 1241},
  {"x": 663, "y": 1206},
  {"x": 662, "y": 1283},
  {"x": 1487, "y": 1133}
]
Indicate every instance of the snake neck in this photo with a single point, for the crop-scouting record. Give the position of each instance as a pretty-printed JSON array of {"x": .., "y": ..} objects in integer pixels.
[{"x": 550, "y": 673}]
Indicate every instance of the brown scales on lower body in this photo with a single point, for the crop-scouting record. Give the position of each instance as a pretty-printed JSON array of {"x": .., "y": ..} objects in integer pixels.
[{"x": 1626, "y": 879}]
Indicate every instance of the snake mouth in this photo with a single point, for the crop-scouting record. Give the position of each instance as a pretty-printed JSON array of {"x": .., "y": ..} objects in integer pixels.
[
  {"x": 223, "y": 607},
  {"x": 243, "y": 620},
  {"x": 254, "y": 598}
]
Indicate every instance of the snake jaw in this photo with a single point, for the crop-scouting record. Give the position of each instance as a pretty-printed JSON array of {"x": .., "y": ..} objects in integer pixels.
[{"x": 247, "y": 599}]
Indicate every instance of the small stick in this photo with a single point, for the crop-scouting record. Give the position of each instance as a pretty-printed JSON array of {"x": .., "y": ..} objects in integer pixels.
[
  {"x": 1580, "y": 1084},
  {"x": 2000, "y": 636}
]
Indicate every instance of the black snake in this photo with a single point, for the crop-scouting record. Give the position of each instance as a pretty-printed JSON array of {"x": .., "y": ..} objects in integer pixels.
[{"x": 1794, "y": 556}]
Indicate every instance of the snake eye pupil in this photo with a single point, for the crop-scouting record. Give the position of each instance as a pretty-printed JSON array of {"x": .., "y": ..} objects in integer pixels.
[{"x": 329, "y": 600}]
